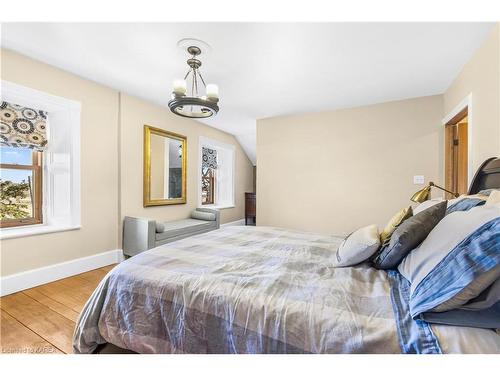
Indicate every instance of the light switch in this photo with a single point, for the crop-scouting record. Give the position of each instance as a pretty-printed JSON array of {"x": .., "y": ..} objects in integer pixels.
[{"x": 418, "y": 180}]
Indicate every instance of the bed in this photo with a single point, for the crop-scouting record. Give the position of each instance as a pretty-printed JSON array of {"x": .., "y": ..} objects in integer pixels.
[{"x": 263, "y": 290}]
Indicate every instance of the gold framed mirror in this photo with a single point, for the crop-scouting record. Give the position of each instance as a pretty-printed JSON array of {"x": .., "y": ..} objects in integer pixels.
[{"x": 165, "y": 159}]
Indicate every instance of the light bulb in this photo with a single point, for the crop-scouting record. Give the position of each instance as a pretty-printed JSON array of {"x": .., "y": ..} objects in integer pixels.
[
  {"x": 212, "y": 91},
  {"x": 179, "y": 87}
]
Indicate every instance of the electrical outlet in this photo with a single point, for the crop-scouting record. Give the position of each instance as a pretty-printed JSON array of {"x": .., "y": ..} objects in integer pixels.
[{"x": 418, "y": 180}]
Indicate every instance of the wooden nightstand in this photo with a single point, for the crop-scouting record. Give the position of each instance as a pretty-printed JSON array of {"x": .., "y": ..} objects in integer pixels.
[{"x": 250, "y": 211}]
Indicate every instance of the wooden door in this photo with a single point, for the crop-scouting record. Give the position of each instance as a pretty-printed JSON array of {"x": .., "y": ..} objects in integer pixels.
[
  {"x": 462, "y": 157},
  {"x": 456, "y": 154}
]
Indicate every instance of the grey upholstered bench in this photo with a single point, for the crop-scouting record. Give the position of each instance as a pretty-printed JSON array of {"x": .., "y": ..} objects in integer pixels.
[{"x": 141, "y": 234}]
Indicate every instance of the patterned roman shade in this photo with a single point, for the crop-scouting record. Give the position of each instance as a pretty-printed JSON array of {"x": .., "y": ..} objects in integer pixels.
[
  {"x": 22, "y": 126},
  {"x": 209, "y": 158}
]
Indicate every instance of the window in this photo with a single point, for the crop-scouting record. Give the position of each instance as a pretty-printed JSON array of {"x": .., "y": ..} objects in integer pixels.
[
  {"x": 216, "y": 174},
  {"x": 20, "y": 186},
  {"x": 52, "y": 202},
  {"x": 208, "y": 185}
]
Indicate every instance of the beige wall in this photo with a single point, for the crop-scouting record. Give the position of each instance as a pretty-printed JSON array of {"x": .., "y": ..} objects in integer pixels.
[
  {"x": 347, "y": 161},
  {"x": 329, "y": 172},
  {"x": 135, "y": 113},
  {"x": 111, "y": 166},
  {"x": 99, "y": 169},
  {"x": 481, "y": 78},
  {"x": 333, "y": 172}
]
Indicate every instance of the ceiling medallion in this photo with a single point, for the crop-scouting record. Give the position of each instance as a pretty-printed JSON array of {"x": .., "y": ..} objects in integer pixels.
[{"x": 192, "y": 104}]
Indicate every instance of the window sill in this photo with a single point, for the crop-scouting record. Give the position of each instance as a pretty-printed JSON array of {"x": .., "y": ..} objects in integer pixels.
[
  {"x": 219, "y": 207},
  {"x": 33, "y": 230}
]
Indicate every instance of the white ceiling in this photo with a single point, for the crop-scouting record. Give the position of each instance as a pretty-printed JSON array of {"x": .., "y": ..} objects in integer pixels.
[{"x": 262, "y": 69}]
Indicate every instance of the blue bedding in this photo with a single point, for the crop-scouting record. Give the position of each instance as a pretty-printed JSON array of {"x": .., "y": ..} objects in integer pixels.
[{"x": 415, "y": 336}]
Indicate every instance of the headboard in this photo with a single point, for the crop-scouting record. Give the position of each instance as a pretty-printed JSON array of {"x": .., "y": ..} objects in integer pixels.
[{"x": 487, "y": 176}]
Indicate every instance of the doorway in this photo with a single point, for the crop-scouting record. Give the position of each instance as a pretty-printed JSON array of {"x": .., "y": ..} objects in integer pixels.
[{"x": 456, "y": 153}]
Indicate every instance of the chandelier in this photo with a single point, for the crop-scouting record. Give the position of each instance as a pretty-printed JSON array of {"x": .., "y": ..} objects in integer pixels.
[{"x": 191, "y": 104}]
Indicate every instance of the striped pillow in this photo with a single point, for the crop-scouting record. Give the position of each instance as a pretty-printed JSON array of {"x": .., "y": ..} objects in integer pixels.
[{"x": 458, "y": 261}]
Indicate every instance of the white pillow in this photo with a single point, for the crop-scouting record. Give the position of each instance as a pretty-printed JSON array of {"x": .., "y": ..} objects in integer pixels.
[
  {"x": 494, "y": 198},
  {"x": 358, "y": 246},
  {"x": 160, "y": 227},
  {"x": 431, "y": 202},
  {"x": 425, "y": 205},
  {"x": 202, "y": 215}
]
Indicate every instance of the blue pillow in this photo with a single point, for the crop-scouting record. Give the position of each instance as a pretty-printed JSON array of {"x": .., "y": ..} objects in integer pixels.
[
  {"x": 457, "y": 269},
  {"x": 476, "y": 255},
  {"x": 465, "y": 205},
  {"x": 485, "y": 318},
  {"x": 481, "y": 312}
]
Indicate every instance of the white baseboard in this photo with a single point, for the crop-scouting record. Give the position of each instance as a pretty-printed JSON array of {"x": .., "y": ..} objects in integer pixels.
[
  {"x": 233, "y": 223},
  {"x": 29, "y": 279}
]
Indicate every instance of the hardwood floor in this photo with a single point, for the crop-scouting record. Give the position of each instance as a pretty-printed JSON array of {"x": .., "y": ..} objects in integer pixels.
[{"x": 42, "y": 319}]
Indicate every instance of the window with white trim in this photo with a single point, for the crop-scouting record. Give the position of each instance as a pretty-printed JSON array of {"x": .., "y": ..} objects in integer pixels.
[
  {"x": 50, "y": 201},
  {"x": 215, "y": 174}
]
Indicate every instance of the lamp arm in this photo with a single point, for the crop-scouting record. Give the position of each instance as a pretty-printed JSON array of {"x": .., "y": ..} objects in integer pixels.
[{"x": 456, "y": 195}]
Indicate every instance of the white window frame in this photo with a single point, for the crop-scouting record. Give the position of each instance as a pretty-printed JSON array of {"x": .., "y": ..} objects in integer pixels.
[
  {"x": 226, "y": 155},
  {"x": 61, "y": 206}
]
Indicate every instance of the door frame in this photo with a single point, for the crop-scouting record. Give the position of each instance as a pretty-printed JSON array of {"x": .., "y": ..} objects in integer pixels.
[{"x": 464, "y": 103}]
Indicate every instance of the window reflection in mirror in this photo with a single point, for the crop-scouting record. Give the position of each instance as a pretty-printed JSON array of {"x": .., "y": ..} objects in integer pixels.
[
  {"x": 166, "y": 167},
  {"x": 165, "y": 158}
]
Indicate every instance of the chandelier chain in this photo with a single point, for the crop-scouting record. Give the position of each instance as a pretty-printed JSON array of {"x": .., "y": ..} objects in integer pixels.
[
  {"x": 202, "y": 80},
  {"x": 196, "y": 81}
]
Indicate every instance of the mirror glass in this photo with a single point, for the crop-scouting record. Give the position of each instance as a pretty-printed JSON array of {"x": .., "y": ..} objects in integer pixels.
[{"x": 165, "y": 180}]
